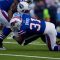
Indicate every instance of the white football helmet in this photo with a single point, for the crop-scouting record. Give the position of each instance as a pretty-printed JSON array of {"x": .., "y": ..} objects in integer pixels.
[
  {"x": 15, "y": 24},
  {"x": 22, "y": 6}
]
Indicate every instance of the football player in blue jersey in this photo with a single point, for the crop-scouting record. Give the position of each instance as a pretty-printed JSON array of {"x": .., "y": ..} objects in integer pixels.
[
  {"x": 27, "y": 25},
  {"x": 26, "y": 28},
  {"x": 28, "y": 36},
  {"x": 23, "y": 7},
  {"x": 7, "y": 8}
]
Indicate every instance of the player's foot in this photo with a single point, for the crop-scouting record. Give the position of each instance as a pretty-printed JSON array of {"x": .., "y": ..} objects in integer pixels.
[
  {"x": 1, "y": 44},
  {"x": 2, "y": 48}
]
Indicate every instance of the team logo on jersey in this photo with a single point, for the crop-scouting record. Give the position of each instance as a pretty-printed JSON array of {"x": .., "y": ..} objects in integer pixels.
[{"x": 21, "y": 6}]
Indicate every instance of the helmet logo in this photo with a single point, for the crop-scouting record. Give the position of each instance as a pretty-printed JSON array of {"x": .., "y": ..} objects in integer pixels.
[{"x": 21, "y": 6}]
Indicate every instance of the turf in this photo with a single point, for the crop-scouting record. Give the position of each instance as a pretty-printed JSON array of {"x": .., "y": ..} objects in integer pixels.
[{"x": 34, "y": 51}]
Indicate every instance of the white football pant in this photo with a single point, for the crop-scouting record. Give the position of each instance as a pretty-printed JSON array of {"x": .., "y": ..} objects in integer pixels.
[
  {"x": 4, "y": 18},
  {"x": 51, "y": 33}
]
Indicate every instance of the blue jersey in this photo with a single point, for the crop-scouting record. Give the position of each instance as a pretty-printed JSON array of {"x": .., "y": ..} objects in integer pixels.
[
  {"x": 31, "y": 25},
  {"x": 5, "y": 4}
]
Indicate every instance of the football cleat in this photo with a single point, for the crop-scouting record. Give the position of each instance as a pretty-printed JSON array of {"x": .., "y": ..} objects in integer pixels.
[{"x": 2, "y": 48}]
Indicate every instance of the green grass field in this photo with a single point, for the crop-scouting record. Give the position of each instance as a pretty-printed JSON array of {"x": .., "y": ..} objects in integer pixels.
[{"x": 34, "y": 51}]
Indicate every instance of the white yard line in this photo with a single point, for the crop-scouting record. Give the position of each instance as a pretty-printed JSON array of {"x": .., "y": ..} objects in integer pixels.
[
  {"x": 27, "y": 56},
  {"x": 17, "y": 43}
]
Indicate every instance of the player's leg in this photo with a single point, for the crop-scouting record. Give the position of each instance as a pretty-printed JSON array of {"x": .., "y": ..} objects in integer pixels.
[
  {"x": 6, "y": 30},
  {"x": 30, "y": 39},
  {"x": 33, "y": 37},
  {"x": 51, "y": 36},
  {"x": 52, "y": 43}
]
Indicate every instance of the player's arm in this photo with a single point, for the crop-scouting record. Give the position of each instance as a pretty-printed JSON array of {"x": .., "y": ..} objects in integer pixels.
[
  {"x": 12, "y": 9},
  {"x": 20, "y": 37}
]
